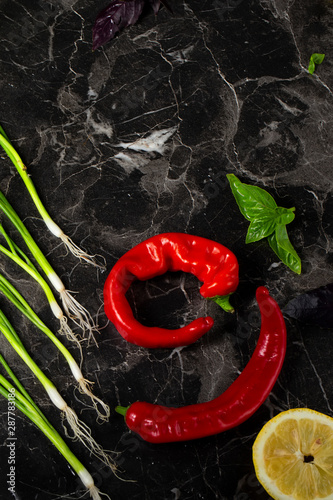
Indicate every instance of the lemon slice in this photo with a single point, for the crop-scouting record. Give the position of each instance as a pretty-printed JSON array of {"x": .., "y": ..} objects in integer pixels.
[{"x": 293, "y": 455}]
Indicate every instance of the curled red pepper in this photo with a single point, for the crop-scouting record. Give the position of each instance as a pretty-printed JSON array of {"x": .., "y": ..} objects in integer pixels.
[
  {"x": 161, "y": 424},
  {"x": 212, "y": 263}
]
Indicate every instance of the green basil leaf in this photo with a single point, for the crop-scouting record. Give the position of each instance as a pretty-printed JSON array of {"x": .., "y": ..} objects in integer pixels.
[
  {"x": 253, "y": 202},
  {"x": 280, "y": 244},
  {"x": 284, "y": 215},
  {"x": 263, "y": 227},
  {"x": 259, "y": 229},
  {"x": 311, "y": 67},
  {"x": 317, "y": 58}
]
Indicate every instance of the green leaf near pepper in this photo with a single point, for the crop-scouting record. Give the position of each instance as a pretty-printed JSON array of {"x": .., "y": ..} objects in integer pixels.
[
  {"x": 223, "y": 302},
  {"x": 280, "y": 244},
  {"x": 253, "y": 201},
  {"x": 262, "y": 226},
  {"x": 267, "y": 220},
  {"x": 259, "y": 229}
]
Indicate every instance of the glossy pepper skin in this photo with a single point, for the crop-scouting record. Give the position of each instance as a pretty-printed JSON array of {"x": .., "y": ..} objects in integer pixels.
[
  {"x": 160, "y": 424},
  {"x": 212, "y": 263}
]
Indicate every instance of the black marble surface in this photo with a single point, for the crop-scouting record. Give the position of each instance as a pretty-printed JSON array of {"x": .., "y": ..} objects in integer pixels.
[{"x": 133, "y": 140}]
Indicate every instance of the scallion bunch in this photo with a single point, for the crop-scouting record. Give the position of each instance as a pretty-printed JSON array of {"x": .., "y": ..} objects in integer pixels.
[
  {"x": 14, "y": 391},
  {"x": 80, "y": 430},
  {"x": 73, "y": 309},
  {"x": 11, "y": 293}
]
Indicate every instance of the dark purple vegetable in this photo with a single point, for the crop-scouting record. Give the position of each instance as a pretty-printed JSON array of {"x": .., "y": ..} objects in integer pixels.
[
  {"x": 155, "y": 5},
  {"x": 120, "y": 14},
  {"x": 314, "y": 307},
  {"x": 116, "y": 16}
]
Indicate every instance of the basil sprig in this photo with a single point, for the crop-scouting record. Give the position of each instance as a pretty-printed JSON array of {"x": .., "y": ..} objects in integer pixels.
[
  {"x": 267, "y": 220},
  {"x": 314, "y": 60}
]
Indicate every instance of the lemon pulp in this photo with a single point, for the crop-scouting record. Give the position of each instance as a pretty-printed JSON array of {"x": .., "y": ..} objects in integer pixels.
[{"x": 293, "y": 455}]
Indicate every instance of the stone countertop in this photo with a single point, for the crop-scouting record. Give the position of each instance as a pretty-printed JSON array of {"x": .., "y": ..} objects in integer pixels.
[{"x": 135, "y": 139}]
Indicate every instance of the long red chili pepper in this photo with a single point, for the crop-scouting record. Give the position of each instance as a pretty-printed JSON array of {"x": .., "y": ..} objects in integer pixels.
[
  {"x": 160, "y": 424},
  {"x": 210, "y": 262}
]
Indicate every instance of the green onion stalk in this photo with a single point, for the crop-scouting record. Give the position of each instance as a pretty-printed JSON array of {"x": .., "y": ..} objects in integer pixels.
[
  {"x": 80, "y": 430},
  {"x": 51, "y": 225},
  {"x": 73, "y": 309},
  {"x": 15, "y": 392},
  {"x": 11, "y": 293},
  {"x": 22, "y": 260}
]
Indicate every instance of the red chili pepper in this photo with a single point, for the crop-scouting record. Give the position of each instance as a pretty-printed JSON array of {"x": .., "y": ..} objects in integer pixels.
[
  {"x": 160, "y": 424},
  {"x": 210, "y": 262}
]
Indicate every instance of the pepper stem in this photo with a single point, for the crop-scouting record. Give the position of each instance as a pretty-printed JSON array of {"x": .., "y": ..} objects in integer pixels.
[
  {"x": 223, "y": 301},
  {"x": 122, "y": 410}
]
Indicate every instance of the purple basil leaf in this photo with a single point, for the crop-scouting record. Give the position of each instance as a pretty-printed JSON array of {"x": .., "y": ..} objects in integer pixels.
[
  {"x": 314, "y": 307},
  {"x": 116, "y": 16},
  {"x": 156, "y": 4}
]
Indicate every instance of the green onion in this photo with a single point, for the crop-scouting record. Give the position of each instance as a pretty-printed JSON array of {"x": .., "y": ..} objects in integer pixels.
[
  {"x": 52, "y": 226},
  {"x": 80, "y": 430},
  {"x": 18, "y": 300},
  {"x": 74, "y": 310},
  {"x": 28, "y": 407},
  {"x": 22, "y": 260}
]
